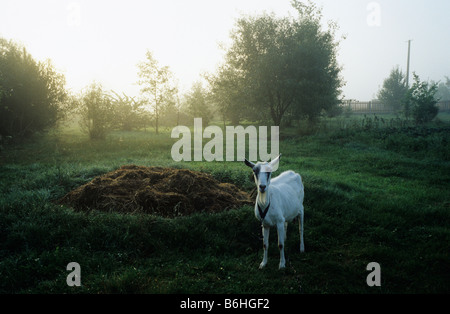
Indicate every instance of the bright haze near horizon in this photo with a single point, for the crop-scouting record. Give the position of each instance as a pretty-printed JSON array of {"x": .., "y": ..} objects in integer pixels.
[{"x": 104, "y": 40}]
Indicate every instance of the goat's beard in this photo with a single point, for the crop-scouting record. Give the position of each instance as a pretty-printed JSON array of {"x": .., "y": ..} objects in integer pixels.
[{"x": 262, "y": 197}]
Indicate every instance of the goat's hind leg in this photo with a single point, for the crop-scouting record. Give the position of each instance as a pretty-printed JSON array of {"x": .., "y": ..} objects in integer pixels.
[
  {"x": 300, "y": 227},
  {"x": 281, "y": 237},
  {"x": 285, "y": 230}
]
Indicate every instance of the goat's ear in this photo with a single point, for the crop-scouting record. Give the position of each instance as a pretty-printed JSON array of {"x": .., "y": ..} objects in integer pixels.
[
  {"x": 274, "y": 163},
  {"x": 249, "y": 163}
]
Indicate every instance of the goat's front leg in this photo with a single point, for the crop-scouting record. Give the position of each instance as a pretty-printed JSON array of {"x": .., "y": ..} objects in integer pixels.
[
  {"x": 281, "y": 237},
  {"x": 265, "y": 232}
]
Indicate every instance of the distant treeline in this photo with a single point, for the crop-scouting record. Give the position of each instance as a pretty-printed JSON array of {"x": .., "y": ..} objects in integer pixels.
[{"x": 276, "y": 70}]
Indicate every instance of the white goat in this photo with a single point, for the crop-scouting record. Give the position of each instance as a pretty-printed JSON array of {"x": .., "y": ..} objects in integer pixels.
[{"x": 278, "y": 202}]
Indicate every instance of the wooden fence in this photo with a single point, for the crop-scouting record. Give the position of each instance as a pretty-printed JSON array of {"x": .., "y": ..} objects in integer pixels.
[{"x": 378, "y": 107}]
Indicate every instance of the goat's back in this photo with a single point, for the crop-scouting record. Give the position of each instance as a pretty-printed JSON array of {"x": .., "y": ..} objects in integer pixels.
[
  {"x": 288, "y": 193},
  {"x": 288, "y": 178}
]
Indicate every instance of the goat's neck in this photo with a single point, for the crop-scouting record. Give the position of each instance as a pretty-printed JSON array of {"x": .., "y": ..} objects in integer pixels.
[{"x": 263, "y": 198}]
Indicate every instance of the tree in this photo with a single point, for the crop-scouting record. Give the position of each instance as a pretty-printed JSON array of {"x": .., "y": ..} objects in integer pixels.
[
  {"x": 443, "y": 90},
  {"x": 170, "y": 112},
  {"x": 226, "y": 92},
  {"x": 421, "y": 100},
  {"x": 284, "y": 65},
  {"x": 197, "y": 103},
  {"x": 32, "y": 94},
  {"x": 128, "y": 112},
  {"x": 157, "y": 85},
  {"x": 320, "y": 83},
  {"x": 96, "y": 111},
  {"x": 394, "y": 90}
]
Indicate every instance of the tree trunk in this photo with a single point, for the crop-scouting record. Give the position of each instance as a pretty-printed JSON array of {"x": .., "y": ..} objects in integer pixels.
[{"x": 277, "y": 120}]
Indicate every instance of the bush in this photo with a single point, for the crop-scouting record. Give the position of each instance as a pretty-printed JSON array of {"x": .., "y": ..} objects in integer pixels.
[
  {"x": 421, "y": 101},
  {"x": 97, "y": 115}
]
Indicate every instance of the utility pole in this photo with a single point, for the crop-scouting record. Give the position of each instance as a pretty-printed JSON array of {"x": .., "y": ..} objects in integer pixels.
[{"x": 407, "y": 65}]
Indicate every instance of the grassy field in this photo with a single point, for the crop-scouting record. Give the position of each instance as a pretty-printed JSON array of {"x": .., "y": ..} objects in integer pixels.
[{"x": 375, "y": 191}]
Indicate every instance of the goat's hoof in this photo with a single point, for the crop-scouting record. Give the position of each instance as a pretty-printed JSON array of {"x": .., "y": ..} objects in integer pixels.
[
  {"x": 282, "y": 266},
  {"x": 302, "y": 248},
  {"x": 262, "y": 265}
]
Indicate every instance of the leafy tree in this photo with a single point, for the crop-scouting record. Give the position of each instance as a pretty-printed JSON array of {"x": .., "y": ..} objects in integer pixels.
[
  {"x": 284, "y": 65},
  {"x": 443, "y": 90},
  {"x": 197, "y": 103},
  {"x": 157, "y": 85},
  {"x": 394, "y": 90},
  {"x": 228, "y": 95},
  {"x": 320, "y": 83},
  {"x": 128, "y": 112},
  {"x": 173, "y": 113},
  {"x": 96, "y": 111},
  {"x": 421, "y": 100},
  {"x": 32, "y": 94}
]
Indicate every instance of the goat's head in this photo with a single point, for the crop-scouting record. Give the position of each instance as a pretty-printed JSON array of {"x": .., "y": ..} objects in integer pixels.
[{"x": 262, "y": 172}]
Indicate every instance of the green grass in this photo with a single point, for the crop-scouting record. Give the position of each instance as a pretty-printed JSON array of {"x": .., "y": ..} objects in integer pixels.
[{"x": 372, "y": 194}]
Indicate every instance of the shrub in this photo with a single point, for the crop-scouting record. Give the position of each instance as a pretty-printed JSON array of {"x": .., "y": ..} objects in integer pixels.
[
  {"x": 421, "y": 102},
  {"x": 96, "y": 112}
]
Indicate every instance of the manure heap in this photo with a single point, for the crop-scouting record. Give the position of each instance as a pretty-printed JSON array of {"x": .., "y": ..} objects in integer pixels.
[{"x": 166, "y": 192}]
